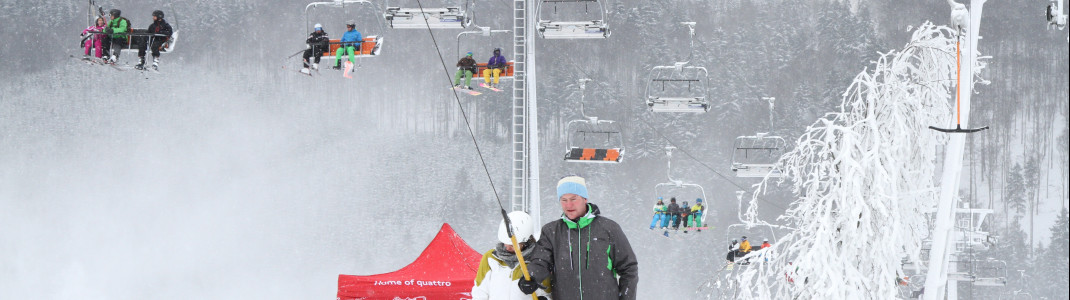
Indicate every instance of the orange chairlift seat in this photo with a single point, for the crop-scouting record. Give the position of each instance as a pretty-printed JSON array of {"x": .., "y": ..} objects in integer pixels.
[
  {"x": 370, "y": 47},
  {"x": 611, "y": 155}
]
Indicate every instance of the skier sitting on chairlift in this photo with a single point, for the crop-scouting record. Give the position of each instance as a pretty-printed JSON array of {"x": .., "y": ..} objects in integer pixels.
[
  {"x": 351, "y": 40},
  {"x": 695, "y": 220},
  {"x": 685, "y": 214},
  {"x": 161, "y": 34},
  {"x": 94, "y": 38},
  {"x": 733, "y": 249},
  {"x": 115, "y": 34},
  {"x": 659, "y": 214},
  {"x": 465, "y": 67},
  {"x": 495, "y": 67},
  {"x": 674, "y": 212},
  {"x": 317, "y": 43}
]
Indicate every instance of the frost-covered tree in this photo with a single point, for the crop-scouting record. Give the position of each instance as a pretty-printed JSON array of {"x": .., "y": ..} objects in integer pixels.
[{"x": 863, "y": 177}]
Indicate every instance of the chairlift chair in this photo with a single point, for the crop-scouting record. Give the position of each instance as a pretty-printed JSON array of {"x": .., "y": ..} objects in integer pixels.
[
  {"x": 556, "y": 29},
  {"x": 371, "y": 46},
  {"x": 1055, "y": 15},
  {"x": 996, "y": 278},
  {"x": 755, "y": 233},
  {"x": 687, "y": 89},
  {"x": 680, "y": 87},
  {"x": 442, "y": 17},
  {"x": 757, "y": 156},
  {"x": 486, "y": 32},
  {"x": 130, "y": 46},
  {"x": 752, "y": 230},
  {"x": 666, "y": 190},
  {"x": 608, "y": 144}
]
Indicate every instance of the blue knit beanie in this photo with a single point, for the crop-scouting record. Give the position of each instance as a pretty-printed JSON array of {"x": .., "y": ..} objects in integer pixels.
[{"x": 572, "y": 185}]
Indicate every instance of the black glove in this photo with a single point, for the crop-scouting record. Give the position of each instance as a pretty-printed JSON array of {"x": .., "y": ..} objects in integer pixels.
[
  {"x": 107, "y": 29},
  {"x": 542, "y": 298},
  {"x": 527, "y": 286}
]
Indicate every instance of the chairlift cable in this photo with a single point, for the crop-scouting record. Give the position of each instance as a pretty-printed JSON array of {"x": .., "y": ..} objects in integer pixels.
[
  {"x": 464, "y": 114},
  {"x": 706, "y": 165},
  {"x": 505, "y": 215},
  {"x": 656, "y": 131}
]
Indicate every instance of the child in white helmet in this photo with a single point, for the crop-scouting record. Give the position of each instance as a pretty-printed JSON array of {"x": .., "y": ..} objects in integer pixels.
[{"x": 499, "y": 269}]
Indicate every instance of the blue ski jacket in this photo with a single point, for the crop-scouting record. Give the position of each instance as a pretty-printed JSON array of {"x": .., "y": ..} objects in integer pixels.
[{"x": 351, "y": 37}]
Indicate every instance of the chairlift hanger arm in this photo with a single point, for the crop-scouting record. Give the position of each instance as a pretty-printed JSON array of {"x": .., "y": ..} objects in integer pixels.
[
  {"x": 336, "y": 3},
  {"x": 484, "y": 31},
  {"x": 342, "y": 4}
]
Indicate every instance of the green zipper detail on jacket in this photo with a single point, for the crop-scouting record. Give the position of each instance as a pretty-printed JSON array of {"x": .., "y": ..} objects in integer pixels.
[{"x": 579, "y": 239}]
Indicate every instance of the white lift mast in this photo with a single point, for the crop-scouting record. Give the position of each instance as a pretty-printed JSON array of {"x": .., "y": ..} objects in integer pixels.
[
  {"x": 524, "y": 149},
  {"x": 941, "y": 263}
]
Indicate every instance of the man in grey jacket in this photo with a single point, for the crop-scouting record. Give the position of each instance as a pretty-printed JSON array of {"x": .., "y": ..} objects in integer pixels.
[{"x": 587, "y": 254}]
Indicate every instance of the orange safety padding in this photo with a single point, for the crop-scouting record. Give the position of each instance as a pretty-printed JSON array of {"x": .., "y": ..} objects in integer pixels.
[
  {"x": 612, "y": 154},
  {"x": 587, "y": 154},
  {"x": 366, "y": 47},
  {"x": 483, "y": 66}
]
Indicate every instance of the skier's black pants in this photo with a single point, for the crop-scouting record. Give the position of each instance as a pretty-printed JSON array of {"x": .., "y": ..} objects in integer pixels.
[
  {"x": 115, "y": 43},
  {"x": 156, "y": 43},
  {"x": 316, "y": 51}
]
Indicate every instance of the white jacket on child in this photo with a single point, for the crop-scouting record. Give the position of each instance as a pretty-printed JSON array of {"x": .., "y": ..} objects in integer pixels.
[{"x": 496, "y": 280}]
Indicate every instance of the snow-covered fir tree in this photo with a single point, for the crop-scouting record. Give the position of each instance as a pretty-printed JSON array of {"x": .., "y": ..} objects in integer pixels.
[{"x": 860, "y": 207}]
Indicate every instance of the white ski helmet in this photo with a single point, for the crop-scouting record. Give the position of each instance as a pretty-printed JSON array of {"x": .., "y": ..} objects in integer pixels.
[
  {"x": 318, "y": 26},
  {"x": 522, "y": 228}
]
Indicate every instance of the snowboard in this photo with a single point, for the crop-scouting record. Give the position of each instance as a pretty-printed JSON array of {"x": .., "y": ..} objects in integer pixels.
[
  {"x": 348, "y": 68},
  {"x": 470, "y": 92},
  {"x": 484, "y": 85}
]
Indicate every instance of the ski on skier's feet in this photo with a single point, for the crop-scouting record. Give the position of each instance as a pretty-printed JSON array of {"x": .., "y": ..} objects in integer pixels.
[{"x": 89, "y": 60}]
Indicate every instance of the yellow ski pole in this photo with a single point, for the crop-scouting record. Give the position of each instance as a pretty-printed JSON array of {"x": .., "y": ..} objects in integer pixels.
[{"x": 516, "y": 248}]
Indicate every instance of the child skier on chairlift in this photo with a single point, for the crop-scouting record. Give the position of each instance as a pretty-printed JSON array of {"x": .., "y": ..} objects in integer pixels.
[
  {"x": 316, "y": 43},
  {"x": 674, "y": 213},
  {"x": 659, "y": 213},
  {"x": 94, "y": 38},
  {"x": 351, "y": 40},
  {"x": 695, "y": 220},
  {"x": 685, "y": 214},
  {"x": 465, "y": 67}
]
